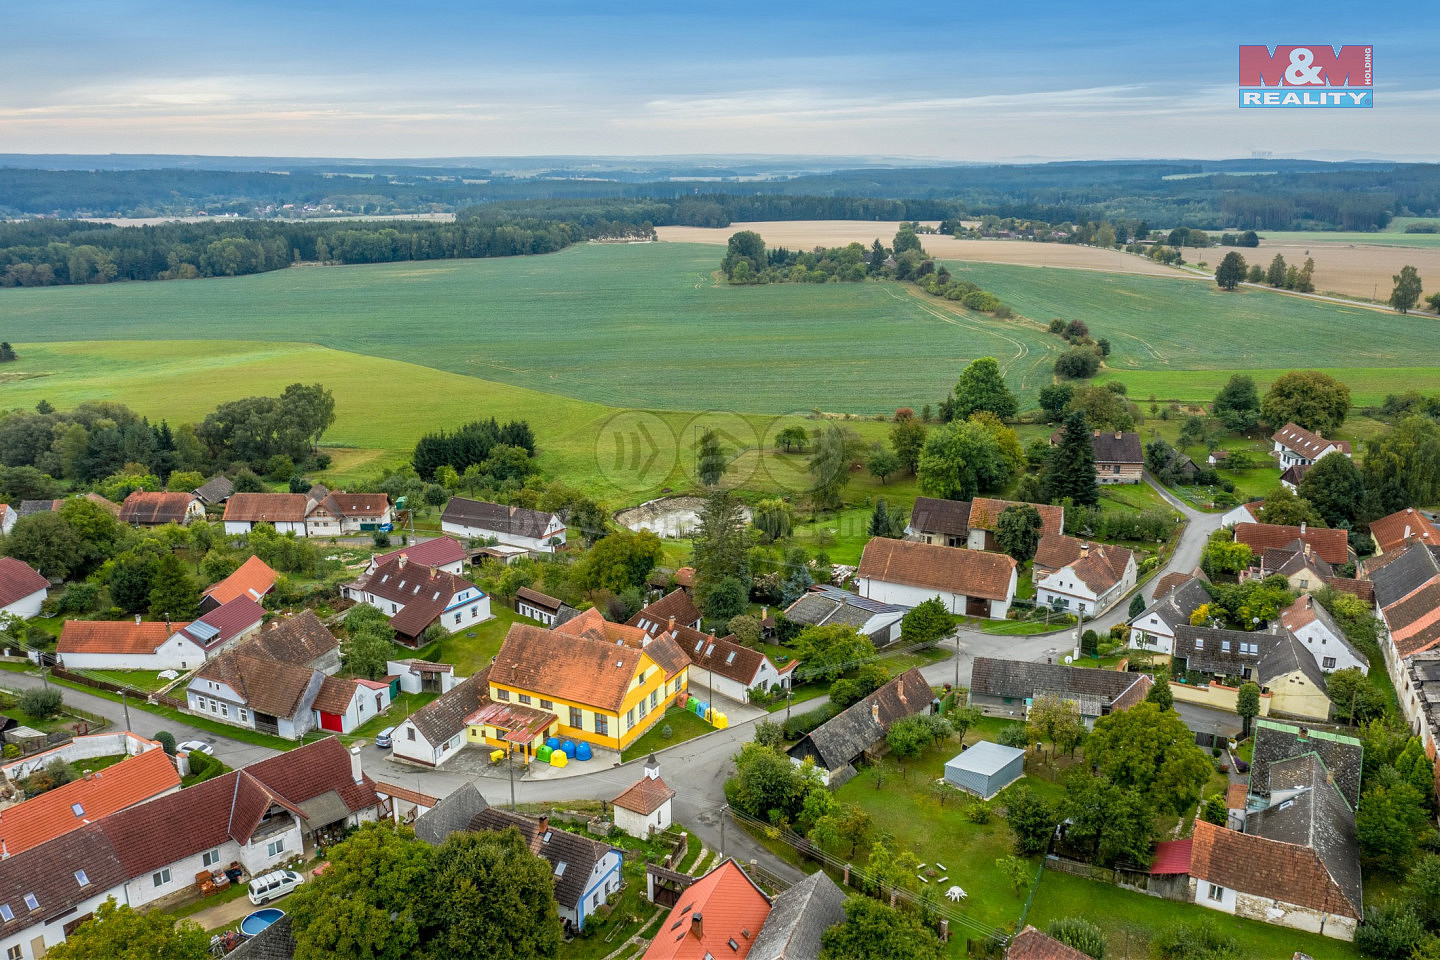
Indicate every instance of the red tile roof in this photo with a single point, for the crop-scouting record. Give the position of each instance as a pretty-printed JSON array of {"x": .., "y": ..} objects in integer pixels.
[
  {"x": 973, "y": 573},
  {"x": 1331, "y": 544},
  {"x": 985, "y": 513},
  {"x": 1056, "y": 550},
  {"x": 685, "y": 577},
  {"x": 1270, "y": 869},
  {"x": 437, "y": 552},
  {"x": 253, "y": 579},
  {"x": 1235, "y": 796},
  {"x": 645, "y": 796},
  {"x": 131, "y": 781},
  {"x": 1102, "y": 567},
  {"x": 334, "y": 696},
  {"x": 358, "y": 505},
  {"x": 1363, "y": 589},
  {"x": 231, "y": 619},
  {"x": 1172, "y": 856},
  {"x": 143, "y": 506},
  {"x": 1031, "y": 944},
  {"x": 119, "y": 637},
  {"x": 726, "y": 904},
  {"x": 18, "y": 580},
  {"x": 270, "y": 507},
  {"x": 1398, "y": 528}
]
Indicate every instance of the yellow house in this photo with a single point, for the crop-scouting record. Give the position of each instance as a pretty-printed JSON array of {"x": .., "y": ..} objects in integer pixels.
[
  {"x": 1294, "y": 681},
  {"x": 586, "y": 680}
]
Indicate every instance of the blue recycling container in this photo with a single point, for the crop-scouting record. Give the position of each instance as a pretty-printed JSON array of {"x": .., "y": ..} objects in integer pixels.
[
  {"x": 582, "y": 752},
  {"x": 569, "y": 748},
  {"x": 553, "y": 743}
]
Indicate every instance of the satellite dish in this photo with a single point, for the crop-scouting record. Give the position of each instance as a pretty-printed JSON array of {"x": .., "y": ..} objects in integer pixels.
[{"x": 1068, "y": 658}]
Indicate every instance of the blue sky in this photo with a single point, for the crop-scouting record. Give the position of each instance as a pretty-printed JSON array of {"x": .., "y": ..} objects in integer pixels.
[{"x": 959, "y": 81}]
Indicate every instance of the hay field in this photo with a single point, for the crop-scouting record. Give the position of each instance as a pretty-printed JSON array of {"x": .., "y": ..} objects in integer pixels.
[
  {"x": 805, "y": 234},
  {"x": 1350, "y": 267}
]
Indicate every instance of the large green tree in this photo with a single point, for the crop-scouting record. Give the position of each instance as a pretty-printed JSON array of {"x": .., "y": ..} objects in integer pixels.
[
  {"x": 836, "y": 448},
  {"x": 1334, "y": 486},
  {"x": 1070, "y": 471},
  {"x": 1237, "y": 405},
  {"x": 173, "y": 592},
  {"x": 1388, "y": 823},
  {"x": 927, "y": 623},
  {"x": 619, "y": 561},
  {"x": 982, "y": 387},
  {"x": 369, "y": 642},
  {"x": 1407, "y": 289},
  {"x": 766, "y": 780},
  {"x": 710, "y": 459},
  {"x": 1310, "y": 398},
  {"x": 1152, "y": 751},
  {"x": 371, "y": 903},
  {"x": 490, "y": 897},
  {"x": 1231, "y": 271},
  {"x": 124, "y": 933},
  {"x": 874, "y": 931},
  {"x": 1401, "y": 469},
  {"x": 1116, "y": 823},
  {"x": 826, "y": 652},
  {"x": 1018, "y": 531},
  {"x": 961, "y": 460},
  {"x": 721, "y": 551},
  {"x": 907, "y": 439}
]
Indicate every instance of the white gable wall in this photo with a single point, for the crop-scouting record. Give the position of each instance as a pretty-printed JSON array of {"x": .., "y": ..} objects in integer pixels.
[{"x": 27, "y": 607}]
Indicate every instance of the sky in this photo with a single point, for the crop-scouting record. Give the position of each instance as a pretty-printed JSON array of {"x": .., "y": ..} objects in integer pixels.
[{"x": 961, "y": 81}]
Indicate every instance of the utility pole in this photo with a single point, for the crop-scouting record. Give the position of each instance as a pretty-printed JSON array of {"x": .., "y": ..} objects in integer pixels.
[
  {"x": 124, "y": 705},
  {"x": 724, "y": 815},
  {"x": 510, "y": 762}
]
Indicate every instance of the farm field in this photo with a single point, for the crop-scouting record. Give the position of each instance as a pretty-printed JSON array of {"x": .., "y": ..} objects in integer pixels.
[
  {"x": 804, "y": 234},
  {"x": 1363, "y": 268},
  {"x": 1368, "y": 385},
  {"x": 1178, "y": 324},
  {"x": 641, "y": 325}
]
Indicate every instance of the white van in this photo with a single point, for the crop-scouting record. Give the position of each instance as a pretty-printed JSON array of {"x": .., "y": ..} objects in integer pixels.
[{"x": 273, "y": 885}]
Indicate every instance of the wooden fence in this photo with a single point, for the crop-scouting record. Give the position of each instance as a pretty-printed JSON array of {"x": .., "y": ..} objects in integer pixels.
[{"x": 141, "y": 695}]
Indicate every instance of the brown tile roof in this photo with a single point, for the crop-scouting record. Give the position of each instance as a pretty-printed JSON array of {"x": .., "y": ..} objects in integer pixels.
[
  {"x": 537, "y": 599},
  {"x": 334, "y": 695},
  {"x": 155, "y": 508},
  {"x": 267, "y": 686},
  {"x": 445, "y": 716},
  {"x": 1103, "y": 567},
  {"x": 424, "y": 592},
  {"x": 574, "y": 668},
  {"x": 357, "y": 505},
  {"x": 933, "y": 515},
  {"x": 110, "y": 506},
  {"x": 1306, "y": 443},
  {"x": 48, "y": 873},
  {"x": 302, "y": 639},
  {"x": 592, "y": 625},
  {"x": 1265, "y": 868},
  {"x": 1295, "y": 473},
  {"x": 1056, "y": 550},
  {"x": 1172, "y": 580},
  {"x": 1363, "y": 589},
  {"x": 405, "y": 793},
  {"x": 973, "y": 573},
  {"x": 685, "y": 577},
  {"x": 270, "y": 507},
  {"x": 676, "y": 603},
  {"x": 438, "y": 552},
  {"x": 1393, "y": 531},
  {"x": 665, "y": 650},
  {"x": 1235, "y": 796},
  {"x": 1031, "y": 944},
  {"x": 722, "y": 655},
  {"x": 18, "y": 580},
  {"x": 985, "y": 513},
  {"x": 252, "y": 579},
  {"x": 645, "y": 796},
  {"x": 1331, "y": 545},
  {"x": 579, "y": 854},
  {"x": 119, "y": 637},
  {"x": 43, "y": 818}
]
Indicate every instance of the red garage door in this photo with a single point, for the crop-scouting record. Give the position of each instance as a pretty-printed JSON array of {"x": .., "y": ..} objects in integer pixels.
[{"x": 331, "y": 721}]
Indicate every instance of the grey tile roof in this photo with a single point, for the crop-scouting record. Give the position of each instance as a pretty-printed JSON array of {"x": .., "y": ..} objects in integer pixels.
[
  {"x": 517, "y": 521},
  {"x": 1308, "y": 809},
  {"x": 1286, "y": 657},
  {"x": 798, "y": 918},
  {"x": 854, "y": 730},
  {"x": 453, "y": 813},
  {"x": 1404, "y": 575},
  {"x": 1175, "y": 607},
  {"x": 948, "y": 517},
  {"x": 1111, "y": 447},
  {"x": 1019, "y": 679},
  {"x": 216, "y": 489},
  {"x": 579, "y": 854},
  {"x": 443, "y": 717},
  {"x": 1276, "y": 742},
  {"x": 1225, "y": 652},
  {"x": 275, "y": 942},
  {"x": 819, "y": 608}
]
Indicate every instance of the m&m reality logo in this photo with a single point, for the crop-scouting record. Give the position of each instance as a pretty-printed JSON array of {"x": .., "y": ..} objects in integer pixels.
[{"x": 1316, "y": 75}]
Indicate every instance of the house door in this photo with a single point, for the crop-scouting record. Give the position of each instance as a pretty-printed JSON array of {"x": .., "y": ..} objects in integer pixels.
[{"x": 977, "y": 607}]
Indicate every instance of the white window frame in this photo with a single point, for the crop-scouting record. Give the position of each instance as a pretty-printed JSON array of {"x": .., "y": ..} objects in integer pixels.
[
  {"x": 160, "y": 877},
  {"x": 1216, "y": 893},
  {"x": 275, "y": 847}
]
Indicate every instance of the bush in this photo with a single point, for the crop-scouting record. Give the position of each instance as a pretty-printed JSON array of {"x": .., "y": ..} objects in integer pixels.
[
  {"x": 802, "y": 723},
  {"x": 666, "y": 732},
  {"x": 1014, "y": 735},
  {"x": 1079, "y": 933},
  {"x": 767, "y": 734},
  {"x": 1390, "y": 931},
  {"x": 166, "y": 739},
  {"x": 1078, "y": 363},
  {"x": 42, "y": 703},
  {"x": 978, "y": 812},
  {"x": 200, "y": 764},
  {"x": 78, "y": 598}
]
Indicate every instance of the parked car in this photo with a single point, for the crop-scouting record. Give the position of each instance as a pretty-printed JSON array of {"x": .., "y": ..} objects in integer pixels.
[
  {"x": 273, "y": 886},
  {"x": 194, "y": 746},
  {"x": 384, "y": 739}
]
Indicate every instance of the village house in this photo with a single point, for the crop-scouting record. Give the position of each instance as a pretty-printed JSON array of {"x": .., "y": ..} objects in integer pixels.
[
  {"x": 252, "y": 579},
  {"x": 1284, "y": 668},
  {"x": 839, "y": 743},
  {"x": 28, "y": 507},
  {"x": 1090, "y": 584},
  {"x": 1296, "y": 445},
  {"x": 284, "y": 511},
  {"x": 269, "y": 682},
  {"x": 1031, "y": 944},
  {"x": 1245, "y": 513},
  {"x": 147, "y": 509},
  {"x": 436, "y": 732},
  {"x": 725, "y": 907},
  {"x": 1330, "y": 545},
  {"x": 22, "y": 589},
  {"x": 531, "y": 530},
  {"x": 255, "y": 818},
  {"x": 1312, "y": 625},
  {"x": 342, "y": 514},
  {"x": 1007, "y": 688},
  {"x": 415, "y": 596},
  {"x": 421, "y": 676},
  {"x": 645, "y": 806},
  {"x": 721, "y": 665},
  {"x": 1292, "y": 858},
  {"x": 968, "y": 582},
  {"x": 971, "y": 523},
  {"x": 825, "y": 605},
  {"x": 587, "y": 872},
  {"x": 1407, "y": 598},
  {"x": 1292, "y": 476},
  {"x": 675, "y": 605},
  {"x": 1119, "y": 455},
  {"x": 215, "y": 491},
  {"x": 1154, "y": 629},
  {"x": 1393, "y": 532},
  {"x": 156, "y": 645},
  {"x": 443, "y": 553},
  {"x": 539, "y": 606},
  {"x": 342, "y": 705},
  {"x": 1297, "y": 562}
]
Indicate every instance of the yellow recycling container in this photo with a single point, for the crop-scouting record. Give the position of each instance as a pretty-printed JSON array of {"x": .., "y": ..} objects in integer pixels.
[{"x": 558, "y": 759}]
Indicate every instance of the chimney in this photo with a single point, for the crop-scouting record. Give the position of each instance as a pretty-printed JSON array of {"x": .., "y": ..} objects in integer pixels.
[
  {"x": 433, "y": 572},
  {"x": 543, "y": 824},
  {"x": 1302, "y": 528},
  {"x": 671, "y": 627},
  {"x": 1084, "y": 550},
  {"x": 652, "y": 768},
  {"x": 402, "y": 560},
  {"x": 697, "y": 926},
  {"x": 1119, "y": 435},
  {"x": 1407, "y": 531},
  {"x": 875, "y": 712},
  {"x": 137, "y": 619},
  {"x": 356, "y": 773}
]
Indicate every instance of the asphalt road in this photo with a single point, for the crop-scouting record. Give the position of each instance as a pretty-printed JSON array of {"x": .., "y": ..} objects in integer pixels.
[{"x": 696, "y": 769}]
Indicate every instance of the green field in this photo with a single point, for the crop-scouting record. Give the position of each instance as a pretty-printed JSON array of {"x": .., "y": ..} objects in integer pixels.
[
  {"x": 1368, "y": 385},
  {"x": 1165, "y": 324}
]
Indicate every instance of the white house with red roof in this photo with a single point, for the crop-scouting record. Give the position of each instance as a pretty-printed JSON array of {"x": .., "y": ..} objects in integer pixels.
[
  {"x": 1090, "y": 584},
  {"x": 414, "y": 596},
  {"x": 442, "y": 553},
  {"x": 1296, "y": 446},
  {"x": 645, "y": 806},
  {"x": 157, "y": 645},
  {"x": 22, "y": 589},
  {"x": 342, "y": 705}
]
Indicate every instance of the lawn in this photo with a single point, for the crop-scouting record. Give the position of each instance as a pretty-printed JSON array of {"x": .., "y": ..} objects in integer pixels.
[
  {"x": 146, "y": 680},
  {"x": 683, "y": 725},
  {"x": 1130, "y": 919},
  {"x": 400, "y": 708},
  {"x": 471, "y": 651}
]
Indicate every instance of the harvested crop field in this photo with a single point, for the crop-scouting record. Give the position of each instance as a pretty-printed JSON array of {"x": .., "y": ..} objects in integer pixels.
[
  {"x": 804, "y": 234},
  {"x": 1355, "y": 269}
]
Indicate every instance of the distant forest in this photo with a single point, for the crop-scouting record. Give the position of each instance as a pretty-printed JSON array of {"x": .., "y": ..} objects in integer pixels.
[{"x": 274, "y": 220}]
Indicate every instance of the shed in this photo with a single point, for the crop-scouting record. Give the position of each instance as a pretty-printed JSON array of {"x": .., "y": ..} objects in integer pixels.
[{"x": 986, "y": 768}]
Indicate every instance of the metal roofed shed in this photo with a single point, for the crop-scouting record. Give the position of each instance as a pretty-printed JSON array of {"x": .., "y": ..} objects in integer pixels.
[{"x": 985, "y": 769}]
